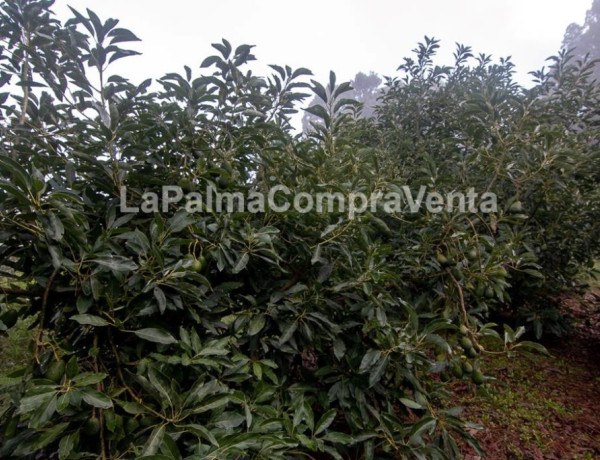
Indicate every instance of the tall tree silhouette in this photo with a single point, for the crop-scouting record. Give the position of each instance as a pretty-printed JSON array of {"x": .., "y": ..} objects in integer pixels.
[
  {"x": 366, "y": 88},
  {"x": 585, "y": 39}
]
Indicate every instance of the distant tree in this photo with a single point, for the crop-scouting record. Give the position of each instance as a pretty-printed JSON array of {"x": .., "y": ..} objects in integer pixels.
[
  {"x": 366, "y": 91},
  {"x": 366, "y": 88},
  {"x": 585, "y": 39}
]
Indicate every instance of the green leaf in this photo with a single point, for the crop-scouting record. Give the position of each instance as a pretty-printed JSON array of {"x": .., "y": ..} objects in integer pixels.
[
  {"x": 14, "y": 191},
  {"x": 136, "y": 241},
  {"x": 50, "y": 435},
  {"x": 339, "y": 348},
  {"x": 320, "y": 112},
  {"x": 426, "y": 425},
  {"x": 301, "y": 71},
  {"x": 84, "y": 303},
  {"x": 67, "y": 444},
  {"x": 43, "y": 413},
  {"x": 256, "y": 325},
  {"x": 335, "y": 455},
  {"x": 72, "y": 368},
  {"x": 154, "y": 441},
  {"x": 90, "y": 320},
  {"x": 20, "y": 177},
  {"x": 88, "y": 378},
  {"x": 160, "y": 297},
  {"x": 133, "y": 408},
  {"x": 160, "y": 383},
  {"x": 319, "y": 90},
  {"x": 257, "y": 370},
  {"x": 155, "y": 335},
  {"x": 341, "y": 89},
  {"x": 439, "y": 341},
  {"x": 210, "y": 61},
  {"x": 339, "y": 438},
  {"x": 112, "y": 420},
  {"x": 115, "y": 262},
  {"x": 410, "y": 403},
  {"x": 96, "y": 399},
  {"x": 534, "y": 273},
  {"x": 180, "y": 220},
  {"x": 241, "y": 263},
  {"x": 287, "y": 335},
  {"x": 378, "y": 371},
  {"x": 202, "y": 431},
  {"x": 325, "y": 421},
  {"x": 229, "y": 420},
  {"x": 32, "y": 402},
  {"x": 122, "y": 35},
  {"x": 10, "y": 381},
  {"x": 212, "y": 403},
  {"x": 368, "y": 360},
  {"x": 63, "y": 402},
  {"x": 55, "y": 230},
  {"x": 332, "y": 79},
  {"x": 100, "y": 32},
  {"x": 533, "y": 346},
  {"x": 224, "y": 48},
  {"x": 169, "y": 447},
  {"x": 200, "y": 391}
]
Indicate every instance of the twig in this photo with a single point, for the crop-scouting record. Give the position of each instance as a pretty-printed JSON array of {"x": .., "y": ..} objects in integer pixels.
[
  {"x": 40, "y": 331},
  {"x": 100, "y": 411},
  {"x": 22, "y": 292},
  {"x": 131, "y": 393},
  {"x": 293, "y": 281},
  {"x": 466, "y": 316},
  {"x": 462, "y": 298},
  {"x": 24, "y": 76}
]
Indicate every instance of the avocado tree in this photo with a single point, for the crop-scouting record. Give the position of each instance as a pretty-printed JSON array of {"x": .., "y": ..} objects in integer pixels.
[{"x": 165, "y": 327}]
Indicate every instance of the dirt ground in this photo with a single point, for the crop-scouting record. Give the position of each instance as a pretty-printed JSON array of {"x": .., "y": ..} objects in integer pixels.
[{"x": 545, "y": 407}]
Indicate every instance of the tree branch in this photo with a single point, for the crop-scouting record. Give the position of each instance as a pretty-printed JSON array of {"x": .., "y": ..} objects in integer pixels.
[{"x": 40, "y": 331}]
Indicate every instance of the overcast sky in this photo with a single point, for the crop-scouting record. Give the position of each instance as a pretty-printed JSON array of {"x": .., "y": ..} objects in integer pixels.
[{"x": 344, "y": 36}]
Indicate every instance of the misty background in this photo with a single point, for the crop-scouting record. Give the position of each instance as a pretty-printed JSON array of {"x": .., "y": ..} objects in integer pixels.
[{"x": 360, "y": 41}]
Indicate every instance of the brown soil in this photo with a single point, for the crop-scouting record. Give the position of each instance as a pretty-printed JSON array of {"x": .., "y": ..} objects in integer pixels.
[{"x": 545, "y": 407}]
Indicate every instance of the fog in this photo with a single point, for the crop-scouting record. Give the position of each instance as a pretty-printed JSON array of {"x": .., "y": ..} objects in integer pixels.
[{"x": 344, "y": 36}]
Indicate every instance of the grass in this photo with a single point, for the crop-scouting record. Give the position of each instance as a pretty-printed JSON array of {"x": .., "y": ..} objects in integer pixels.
[
  {"x": 15, "y": 350},
  {"x": 16, "y": 342},
  {"x": 15, "y": 345},
  {"x": 543, "y": 407}
]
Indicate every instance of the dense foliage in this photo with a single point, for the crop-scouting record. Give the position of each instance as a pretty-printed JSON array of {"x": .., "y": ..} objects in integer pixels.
[{"x": 290, "y": 334}]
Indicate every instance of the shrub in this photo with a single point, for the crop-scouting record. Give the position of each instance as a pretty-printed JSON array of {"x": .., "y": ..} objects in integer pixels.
[{"x": 208, "y": 334}]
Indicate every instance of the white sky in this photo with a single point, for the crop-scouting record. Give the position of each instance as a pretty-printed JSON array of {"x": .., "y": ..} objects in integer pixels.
[{"x": 344, "y": 36}]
